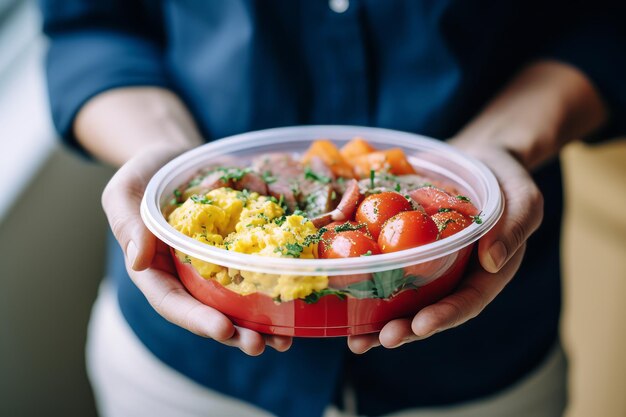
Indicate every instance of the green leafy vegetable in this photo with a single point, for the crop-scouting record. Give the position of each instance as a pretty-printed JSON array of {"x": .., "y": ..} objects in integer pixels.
[
  {"x": 383, "y": 284},
  {"x": 315, "y": 296}
]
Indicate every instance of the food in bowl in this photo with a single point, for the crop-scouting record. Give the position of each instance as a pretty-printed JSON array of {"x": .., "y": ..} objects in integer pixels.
[{"x": 319, "y": 240}]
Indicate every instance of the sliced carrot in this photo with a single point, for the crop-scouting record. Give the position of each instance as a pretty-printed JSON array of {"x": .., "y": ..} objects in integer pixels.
[
  {"x": 398, "y": 163},
  {"x": 356, "y": 147},
  {"x": 328, "y": 152},
  {"x": 391, "y": 160}
]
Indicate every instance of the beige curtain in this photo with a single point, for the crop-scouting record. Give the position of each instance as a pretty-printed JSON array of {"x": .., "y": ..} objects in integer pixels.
[{"x": 594, "y": 261}]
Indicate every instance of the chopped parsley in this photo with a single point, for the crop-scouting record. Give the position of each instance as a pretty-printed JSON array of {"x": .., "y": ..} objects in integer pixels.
[
  {"x": 398, "y": 187},
  {"x": 298, "y": 212},
  {"x": 368, "y": 253},
  {"x": 232, "y": 173},
  {"x": 309, "y": 174},
  {"x": 463, "y": 198},
  {"x": 444, "y": 210},
  {"x": 268, "y": 177},
  {"x": 280, "y": 220},
  {"x": 310, "y": 239},
  {"x": 348, "y": 227},
  {"x": 244, "y": 195},
  {"x": 477, "y": 219},
  {"x": 290, "y": 249},
  {"x": 201, "y": 199},
  {"x": 444, "y": 225},
  {"x": 372, "y": 177}
]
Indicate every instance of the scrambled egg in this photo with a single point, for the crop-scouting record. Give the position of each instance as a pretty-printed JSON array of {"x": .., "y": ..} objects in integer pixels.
[{"x": 252, "y": 224}]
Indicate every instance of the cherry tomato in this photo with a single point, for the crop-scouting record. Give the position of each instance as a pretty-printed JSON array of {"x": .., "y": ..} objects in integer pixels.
[
  {"x": 433, "y": 199},
  {"x": 406, "y": 230},
  {"x": 450, "y": 222},
  {"x": 349, "y": 244},
  {"x": 376, "y": 209}
]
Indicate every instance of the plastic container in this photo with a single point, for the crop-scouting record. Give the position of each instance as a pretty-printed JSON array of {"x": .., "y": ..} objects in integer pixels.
[{"x": 436, "y": 268}]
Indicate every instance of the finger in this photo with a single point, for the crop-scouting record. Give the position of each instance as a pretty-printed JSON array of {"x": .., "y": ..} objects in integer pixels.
[
  {"x": 169, "y": 298},
  {"x": 250, "y": 342},
  {"x": 121, "y": 200},
  {"x": 474, "y": 294},
  {"x": 396, "y": 333},
  {"x": 279, "y": 343},
  {"x": 362, "y": 343},
  {"x": 523, "y": 213}
]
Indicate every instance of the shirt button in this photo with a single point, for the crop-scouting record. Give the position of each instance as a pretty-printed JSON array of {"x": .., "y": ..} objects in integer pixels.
[{"x": 339, "y": 6}]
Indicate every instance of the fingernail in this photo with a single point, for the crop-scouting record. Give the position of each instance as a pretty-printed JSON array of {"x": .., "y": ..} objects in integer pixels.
[
  {"x": 131, "y": 253},
  {"x": 497, "y": 255},
  {"x": 421, "y": 328}
]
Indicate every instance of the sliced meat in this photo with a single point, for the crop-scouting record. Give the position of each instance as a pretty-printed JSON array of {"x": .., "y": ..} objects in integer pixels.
[
  {"x": 203, "y": 184},
  {"x": 319, "y": 167},
  {"x": 387, "y": 182},
  {"x": 349, "y": 201},
  {"x": 286, "y": 172},
  {"x": 433, "y": 199},
  {"x": 345, "y": 209},
  {"x": 252, "y": 182},
  {"x": 322, "y": 220},
  {"x": 315, "y": 198}
]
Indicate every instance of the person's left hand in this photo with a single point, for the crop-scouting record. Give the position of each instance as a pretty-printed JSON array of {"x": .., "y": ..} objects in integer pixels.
[{"x": 500, "y": 253}]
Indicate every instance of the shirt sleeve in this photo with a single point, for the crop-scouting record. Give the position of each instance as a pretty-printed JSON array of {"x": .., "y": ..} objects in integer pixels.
[
  {"x": 94, "y": 46},
  {"x": 594, "y": 41}
]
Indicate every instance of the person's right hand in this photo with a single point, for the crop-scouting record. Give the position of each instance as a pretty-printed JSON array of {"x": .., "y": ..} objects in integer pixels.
[{"x": 149, "y": 263}]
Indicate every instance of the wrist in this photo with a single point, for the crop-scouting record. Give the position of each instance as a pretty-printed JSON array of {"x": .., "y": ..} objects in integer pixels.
[
  {"x": 119, "y": 124},
  {"x": 547, "y": 105}
]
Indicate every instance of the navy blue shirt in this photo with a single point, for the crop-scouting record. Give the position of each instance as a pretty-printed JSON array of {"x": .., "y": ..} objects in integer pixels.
[{"x": 419, "y": 66}]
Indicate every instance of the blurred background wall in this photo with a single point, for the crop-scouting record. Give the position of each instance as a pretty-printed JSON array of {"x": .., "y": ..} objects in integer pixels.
[{"x": 52, "y": 233}]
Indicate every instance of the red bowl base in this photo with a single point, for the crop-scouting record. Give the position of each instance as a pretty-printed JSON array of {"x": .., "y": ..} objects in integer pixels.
[{"x": 330, "y": 316}]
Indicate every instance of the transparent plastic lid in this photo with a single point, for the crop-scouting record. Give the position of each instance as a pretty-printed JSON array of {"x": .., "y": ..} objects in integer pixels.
[{"x": 434, "y": 158}]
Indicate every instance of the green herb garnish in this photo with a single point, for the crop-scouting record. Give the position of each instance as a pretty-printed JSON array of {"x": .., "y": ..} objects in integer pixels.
[
  {"x": 372, "y": 177},
  {"x": 309, "y": 174},
  {"x": 291, "y": 249},
  {"x": 444, "y": 210},
  {"x": 201, "y": 199},
  {"x": 233, "y": 173},
  {"x": 348, "y": 227},
  {"x": 368, "y": 253},
  {"x": 280, "y": 220},
  {"x": 463, "y": 198},
  {"x": 477, "y": 219},
  {"x": 268, "y": 177}
]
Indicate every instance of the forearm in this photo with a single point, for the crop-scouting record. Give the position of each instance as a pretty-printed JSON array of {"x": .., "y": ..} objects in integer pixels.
[
  {"x": 116, "y": 125},
  {"x": 547, "y": 105}
]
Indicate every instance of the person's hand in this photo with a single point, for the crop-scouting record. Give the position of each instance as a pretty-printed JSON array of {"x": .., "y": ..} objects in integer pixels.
[
  {"x": 500, "y": 253},
  {"x": 150, "y": 266}
]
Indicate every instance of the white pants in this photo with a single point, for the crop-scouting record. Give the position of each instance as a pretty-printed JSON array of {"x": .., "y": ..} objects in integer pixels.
[{"x": 129, "y": 381}]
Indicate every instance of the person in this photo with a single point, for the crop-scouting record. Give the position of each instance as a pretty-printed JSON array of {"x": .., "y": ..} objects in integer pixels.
[{"x": 134, "y": 83}]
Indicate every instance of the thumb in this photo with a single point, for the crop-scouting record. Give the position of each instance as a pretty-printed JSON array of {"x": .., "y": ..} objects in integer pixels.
[{"x": 121, "y": 201}]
